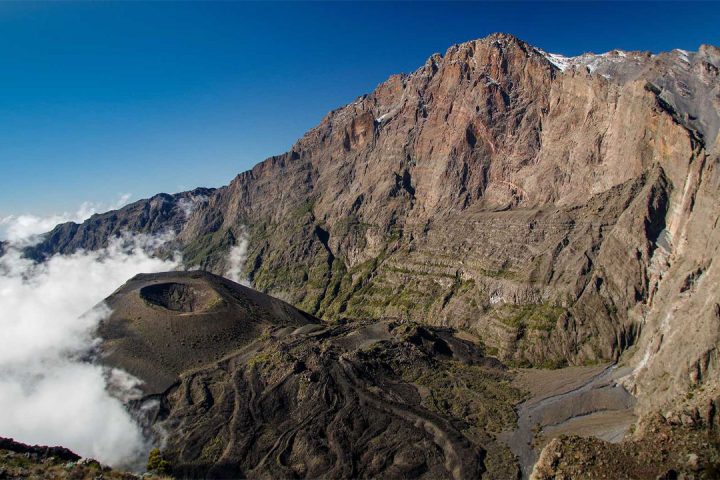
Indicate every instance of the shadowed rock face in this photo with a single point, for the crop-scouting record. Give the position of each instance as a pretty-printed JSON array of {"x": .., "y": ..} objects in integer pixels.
[{"x": 253, "y": 388}]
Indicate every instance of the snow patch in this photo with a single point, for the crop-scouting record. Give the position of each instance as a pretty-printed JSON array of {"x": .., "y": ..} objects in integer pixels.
[
  {"x": 590, "y": 61},
  {"x": 496, "y": 298},
  {"x": 560, "y": 61},
  {"x": 382, "y": 117},
  {"x": 684, "y": 55}
]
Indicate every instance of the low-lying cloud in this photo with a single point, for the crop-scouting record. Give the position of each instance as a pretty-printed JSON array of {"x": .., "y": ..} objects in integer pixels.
[
  {"x": 48, "y": 394},
  {"x": 25, "y": 228},
  {"x": 189, "y": 205}
]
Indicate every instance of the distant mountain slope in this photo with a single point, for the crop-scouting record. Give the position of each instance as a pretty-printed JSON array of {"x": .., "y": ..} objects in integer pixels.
[
  {"x": 163, "y": 213},
  {"x": 562, "y": 210}
]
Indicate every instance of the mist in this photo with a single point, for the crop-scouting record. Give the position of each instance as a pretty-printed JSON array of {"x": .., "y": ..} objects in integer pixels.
[
  {"x": 189, "y": 205},
  {"x": 236, "y": 260},
  {"x": 48, "y": 311},
  {"x": 24, "y": 229}
]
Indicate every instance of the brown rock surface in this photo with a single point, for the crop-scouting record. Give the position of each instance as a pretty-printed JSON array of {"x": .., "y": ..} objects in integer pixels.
[{"x": 659, "y": 450}]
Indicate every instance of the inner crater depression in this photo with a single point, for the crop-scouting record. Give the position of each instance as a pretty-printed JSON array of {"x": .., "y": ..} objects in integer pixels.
[{"x": 180, "y": 297}]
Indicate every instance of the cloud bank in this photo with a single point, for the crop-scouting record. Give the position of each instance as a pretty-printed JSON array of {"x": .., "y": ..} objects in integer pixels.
[
  {"x": 24, "y": 229},
  {"x": 48, "y": 395}
]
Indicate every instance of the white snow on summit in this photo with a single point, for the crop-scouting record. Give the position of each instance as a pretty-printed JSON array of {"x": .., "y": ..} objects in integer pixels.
[
  {"x": 560, "y": 61},
  {"x": 683, "y": 54},
  {"x": 590, "y": 61}
]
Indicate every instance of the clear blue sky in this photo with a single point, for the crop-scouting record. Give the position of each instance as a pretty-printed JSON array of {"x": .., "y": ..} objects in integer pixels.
[{"x": 99, "y": 99}]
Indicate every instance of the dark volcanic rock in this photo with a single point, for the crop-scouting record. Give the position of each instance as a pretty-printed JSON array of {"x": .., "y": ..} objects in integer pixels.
[
  {"x": 60, "y": 453},
  {"x": 166, "y": 323},
  {"x": 262, "y": 391}
]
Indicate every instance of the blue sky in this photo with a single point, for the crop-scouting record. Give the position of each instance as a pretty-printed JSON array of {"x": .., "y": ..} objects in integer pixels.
[{"x": 101, "y": 99}]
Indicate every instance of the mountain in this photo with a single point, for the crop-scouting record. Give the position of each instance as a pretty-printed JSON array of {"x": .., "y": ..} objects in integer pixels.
[
  {"x": 160, "y": 214},
  {"x": 561, "y": 211}
]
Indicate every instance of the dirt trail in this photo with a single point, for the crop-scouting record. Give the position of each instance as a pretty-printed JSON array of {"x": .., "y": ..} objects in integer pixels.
[{"x": 583, "y": 401}]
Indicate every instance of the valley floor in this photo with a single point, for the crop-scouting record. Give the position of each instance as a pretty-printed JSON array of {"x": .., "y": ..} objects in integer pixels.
[{"x": 583, "y": 401}]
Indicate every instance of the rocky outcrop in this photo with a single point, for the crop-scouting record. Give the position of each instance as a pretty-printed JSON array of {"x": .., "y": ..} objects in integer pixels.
[
  {"x": 40, "y": 452},
  {"x": 561, "y": 210},
  {"x": 660, "y": 449},
  {"x": 35, "y": 462}
]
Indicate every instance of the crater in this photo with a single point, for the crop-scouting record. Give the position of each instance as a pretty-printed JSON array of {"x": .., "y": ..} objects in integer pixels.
[{"x": 180, "y": 297}]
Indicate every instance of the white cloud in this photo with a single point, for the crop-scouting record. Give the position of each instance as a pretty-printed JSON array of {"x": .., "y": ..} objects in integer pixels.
[
  {"x": 236, "y": 259},
  {"x": 47, "y": 395},
  {"x": 188, "y": 205},
  {"x": 25, "y": 228}
]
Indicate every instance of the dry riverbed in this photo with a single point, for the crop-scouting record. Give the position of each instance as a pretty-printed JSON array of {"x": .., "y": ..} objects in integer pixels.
[{"x": 584, "y": 401}]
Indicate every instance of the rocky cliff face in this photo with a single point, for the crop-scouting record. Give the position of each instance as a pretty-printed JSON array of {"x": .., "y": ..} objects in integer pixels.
[{"x": 562, "y": 210}]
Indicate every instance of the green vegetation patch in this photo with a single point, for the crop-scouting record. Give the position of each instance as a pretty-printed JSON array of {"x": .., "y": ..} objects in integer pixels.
[
  {"x": 265, "y": 359},
  {"x": 201, "y": 249},
  {"x": 502, "y": 273},
  {"x": 156, "y": 462},
  {"x": 541, "y": 316},
  {"x": 478, "y": 396},
  {"x": 212, "y": 450}
]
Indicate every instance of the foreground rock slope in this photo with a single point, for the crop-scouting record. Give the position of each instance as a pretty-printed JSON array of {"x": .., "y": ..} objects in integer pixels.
[
  {"x": 36, "y": 462},
  {"x": 661, "y": 448}
]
